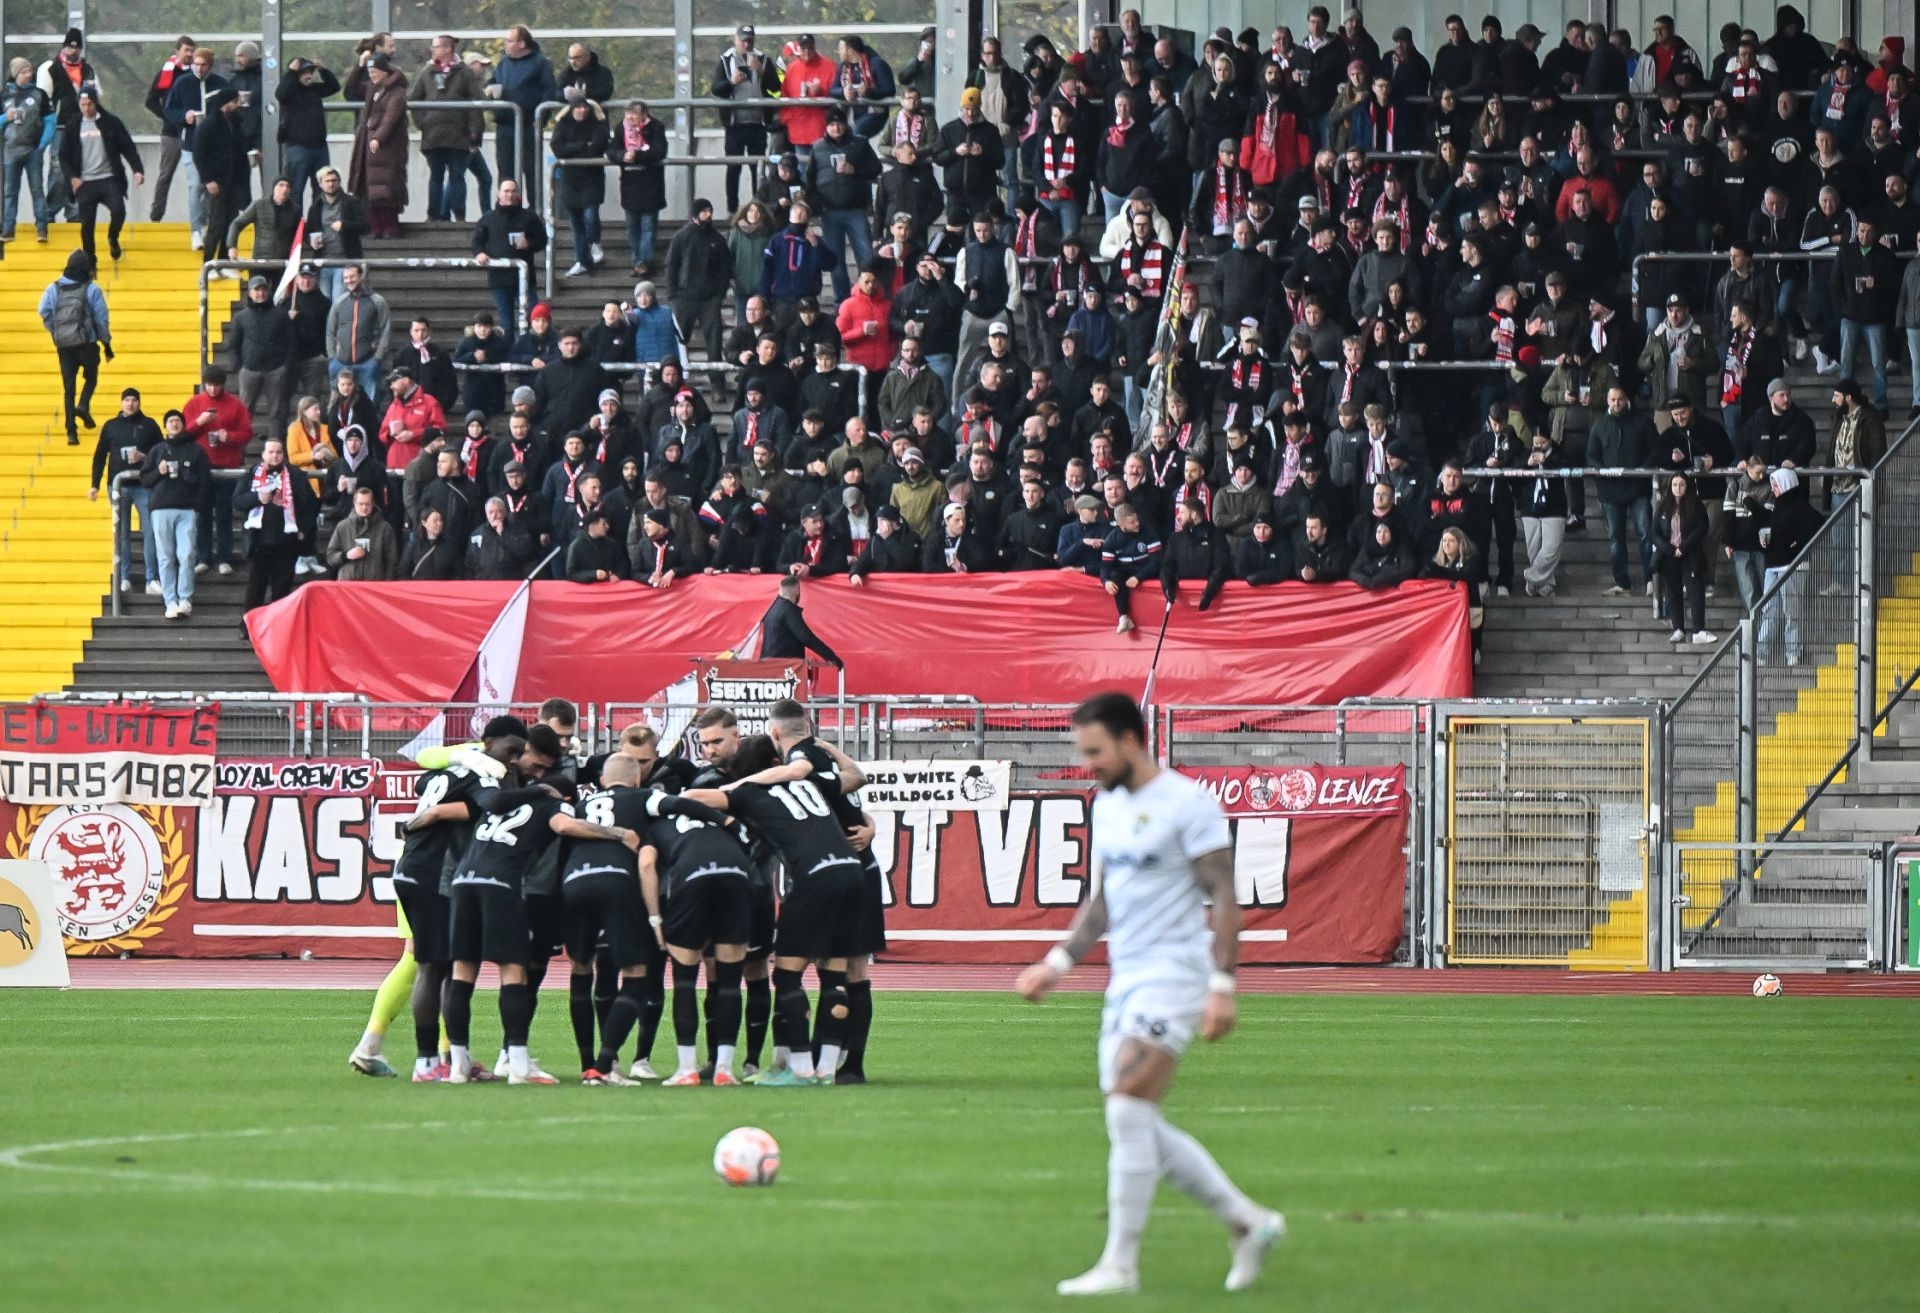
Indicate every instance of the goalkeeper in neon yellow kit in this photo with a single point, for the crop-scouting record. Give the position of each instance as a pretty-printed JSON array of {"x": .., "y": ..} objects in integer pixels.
[{"x": 405, "y": 982}]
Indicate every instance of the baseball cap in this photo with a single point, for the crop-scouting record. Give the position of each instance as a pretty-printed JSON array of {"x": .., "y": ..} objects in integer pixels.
[
  {"x": 888, "y": 512},
  {"x": 400, "y": 371},
  {"x": 515, "y": 465},
  {"x": 1674, "y": 298},
  {"x": 309, "y": 270},
  {"x": 1308, "y": 203},
  {"x": 998, "y": 328},
  {"x": 258, "y": 280},
  {"x": 745, "y": 29}
]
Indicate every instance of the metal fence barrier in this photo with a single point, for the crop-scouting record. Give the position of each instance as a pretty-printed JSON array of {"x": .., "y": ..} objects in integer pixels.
[
  {"x": 1548, "y": 835},
  {"x": 1807, "y": 905},
  {"x": 275, "y": 267},
  {"x": 514, "y": 108}
]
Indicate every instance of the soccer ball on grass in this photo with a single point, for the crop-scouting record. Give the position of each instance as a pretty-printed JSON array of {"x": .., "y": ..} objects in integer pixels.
[
  {"x": 747, "y": 1156},
  {"x": 1767, "y": 986}
]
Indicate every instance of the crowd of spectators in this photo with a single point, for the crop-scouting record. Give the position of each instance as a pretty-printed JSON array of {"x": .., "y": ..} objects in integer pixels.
[{"x": 998, "y": 381}]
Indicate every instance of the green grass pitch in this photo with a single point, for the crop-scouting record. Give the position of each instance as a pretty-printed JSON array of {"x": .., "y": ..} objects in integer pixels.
[{"x": 1431, "y": 1153}]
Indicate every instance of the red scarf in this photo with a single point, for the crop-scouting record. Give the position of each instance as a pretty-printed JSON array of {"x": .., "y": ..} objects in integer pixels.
[
  {"x": 1160, "y": 468},
  {"x": 1117, "y": 134},
  {"x": 1399, "y": 215},
  {"x": 1743, "y": 83},
  {"x": 1149, "y": 262},
  {"x": 1733, "y": 374},
  {"x": 1229, "y": 197},
  {"x": 470, "y": 455},
  {"x": 283, "y": 495},
  {"x": 1026, "y": 246},
  {"x": 1382, "y": 140},
  {"x": 1892, "y": 106},
  {"x": 1057, "y": 159},
  {"x": 1502, "y": 337},
  {"x": 1837, "y": 101}
]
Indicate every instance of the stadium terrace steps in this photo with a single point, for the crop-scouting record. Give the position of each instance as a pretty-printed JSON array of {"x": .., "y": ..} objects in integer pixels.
[{"x": 56, "y": 547}]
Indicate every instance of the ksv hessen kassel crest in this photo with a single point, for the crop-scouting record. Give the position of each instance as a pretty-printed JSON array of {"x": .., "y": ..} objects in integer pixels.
[
  {"x": 1290, "y": 790},
  {"x": 110, "y": 872}
]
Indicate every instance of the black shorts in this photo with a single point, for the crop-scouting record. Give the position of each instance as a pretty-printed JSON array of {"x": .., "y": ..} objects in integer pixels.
[
  {"x": 714, "y": 909},
  {"x": 820, "y": 916},
  {"x": 546, "y": 926},
  {"x": 760, "y": 912},
  {"x": 870, "y": 932},
  {"x": 430, "y": 917},
  {"x": 489, "y": 924},
  {"x": 607, "y": 911}
]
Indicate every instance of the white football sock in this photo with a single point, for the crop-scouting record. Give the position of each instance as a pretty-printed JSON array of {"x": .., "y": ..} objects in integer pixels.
[
  {"x": 801, "y": 1062},
  {"x": 689, "y": 1056},
  {"x": 370, "y": 1044},
  {"x": 782, "y": 1056},
  {"x": 421, "y": 1066},
  {"x": 1189, "y": 1166},
  {"x": 829, "y": 1060},
  {"x": 723, "y": 1058},
  {"x": 459, "y": 1059},
  {"x": 519, "y": 1062},
  {"x": 1133, "y": 1170}
]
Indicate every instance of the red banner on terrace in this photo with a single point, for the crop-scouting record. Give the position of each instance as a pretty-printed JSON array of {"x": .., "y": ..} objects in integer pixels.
[{"x": 1034, "y": 637}]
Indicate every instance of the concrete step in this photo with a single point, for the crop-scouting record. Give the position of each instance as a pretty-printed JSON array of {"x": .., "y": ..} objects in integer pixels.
[{"x": 1863, "y": 822}]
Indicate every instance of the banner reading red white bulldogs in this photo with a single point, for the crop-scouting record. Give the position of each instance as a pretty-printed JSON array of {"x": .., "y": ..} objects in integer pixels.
[{"x": 94, "y": 754}]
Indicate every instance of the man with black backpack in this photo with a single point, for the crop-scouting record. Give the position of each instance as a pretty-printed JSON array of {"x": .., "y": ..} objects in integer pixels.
[{"x": 74, "y": 309}]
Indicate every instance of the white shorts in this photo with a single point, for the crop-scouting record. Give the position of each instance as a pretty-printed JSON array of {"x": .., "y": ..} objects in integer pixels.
[{"x": 1163, "y": 1013}]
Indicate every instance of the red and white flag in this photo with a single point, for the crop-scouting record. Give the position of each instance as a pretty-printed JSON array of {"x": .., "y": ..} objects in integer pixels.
[
  {"x": 294, "y": 258},
  {"x": 488, "y": 686}
]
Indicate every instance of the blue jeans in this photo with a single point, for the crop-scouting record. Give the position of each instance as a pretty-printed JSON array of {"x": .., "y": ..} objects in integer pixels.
[
  {"x": 333, "y": 283},
  {"x": 135, "y": 498},
  {"x": 31, "y": 164},
  {"x": 302, "y": 165},
  {"x": 1851, "y": 331},
  {"x": 1066, "y": 213},
  {"x": 447, "y": 183},
  {"x": 838, "y": 229},
  {"x": 216, "y": 520},
  {"x": 1113, "y": 204},
  {"x": 942, "y": 367},
  {"x": 1913, "y": 362},
  {"x": 1749, "y": 575},
  {"x": 504, "y": 157},
  {"x": 640, "y": 229},
  {"x": 367, "y": 372},
  {"x": 504, "y": 301},
  {"x": 477, "y": 166},
  {"x": 585, "y": 223},
  {"x": 1781, "y": 614},
  {"x": 1619, "y": 514},
  {"x": 175, "y": 533}
]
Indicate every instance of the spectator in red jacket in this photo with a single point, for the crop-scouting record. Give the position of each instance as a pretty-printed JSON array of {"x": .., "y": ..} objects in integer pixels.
[
  {"x": 218, "y": 420},
  {"x": 810, "y": 76},
  {"x": 411, "y": 415}
]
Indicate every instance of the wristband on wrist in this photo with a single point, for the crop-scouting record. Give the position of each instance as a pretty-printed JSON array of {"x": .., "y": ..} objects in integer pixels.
[
  {"x": 1220, "y": 982},
  {"x": 654, "y": 920},
  {"x": 1059, "y": 959}
]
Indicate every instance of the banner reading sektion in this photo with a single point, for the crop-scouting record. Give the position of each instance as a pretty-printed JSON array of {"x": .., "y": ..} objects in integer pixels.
[
  {"x": 97, "y": 754},
  {"x": 295, "y": 856}
]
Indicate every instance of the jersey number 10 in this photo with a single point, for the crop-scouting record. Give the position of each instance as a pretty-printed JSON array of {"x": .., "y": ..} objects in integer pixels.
[{"x": 801, "y": 798}]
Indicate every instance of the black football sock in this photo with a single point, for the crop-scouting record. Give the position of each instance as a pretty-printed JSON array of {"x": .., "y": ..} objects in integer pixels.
[
  {"x": 686, "y": 1004},
  {"x": 706, "y": 1008},
  {"x": 789, "y": 1011},
  {"x": 536, "y": 977},
  {"x": 427, "y": 987},
  {"x": 830, "y": 1023},
  {"x": 723, "y": 1006},
  {"x": 459, "y": 1014},
  {"x": 606, "y": 985},
  {"x": 859, "y": 1024},
  {"x": 516, "y": 1014},
  {"x": 759, "y": 1013},
  {"x": 580, "y": 1010},
  {"x": 621, "y": 1017},
  {"x": 656, "y": 1004}
]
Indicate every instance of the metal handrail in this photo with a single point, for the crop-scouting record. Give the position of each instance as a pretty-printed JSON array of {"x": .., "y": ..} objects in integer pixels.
[{"x": 211, "y": 267}]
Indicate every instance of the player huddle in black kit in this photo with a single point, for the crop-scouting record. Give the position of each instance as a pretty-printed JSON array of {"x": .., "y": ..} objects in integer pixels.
[{"x": 637, "y": 864}]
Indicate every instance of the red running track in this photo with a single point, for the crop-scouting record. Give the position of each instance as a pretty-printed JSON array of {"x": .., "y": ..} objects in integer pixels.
[{"x": 92, "y": 973}]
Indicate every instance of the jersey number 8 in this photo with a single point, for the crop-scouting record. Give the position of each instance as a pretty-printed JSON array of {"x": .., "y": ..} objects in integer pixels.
[{"x": 802, "y": 798}]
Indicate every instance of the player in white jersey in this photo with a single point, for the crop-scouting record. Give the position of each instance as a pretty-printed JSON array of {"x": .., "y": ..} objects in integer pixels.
[{"x": 1161, "y": 851}]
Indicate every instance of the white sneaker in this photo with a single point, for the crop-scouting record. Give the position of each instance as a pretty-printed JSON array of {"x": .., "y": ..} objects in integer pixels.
[
  {"x": 574, "y": 270},
  {"x": 1649, "y": 588},
  {"x": 126, "y": 585},
  {"x": 596, "y": 253},
  {"x": 186, "y": 609},
  {"x": 1799, "y": 350},
  {"x": 1250, "y": 1250},
  {"x": 1503, "y": 591},
  {"x": 302, "y": 565},
  {"x": 154, "y": 589},
  {"x": 642, "y": 1069},
  {"x": 1703, "y": 638},
  {"x": 173, "y": 611},
  {"x": 1677, "y": 636},
  {"x": 611, "y": 1078},
  {"x": 456, "y": 1075},
  {"x": 1104, "y": 1280},
  {"x": 226, "y": 567},
  {"x": 199, "y": 567},
  {"x": 198, "y": 241},
  {"x": 1709, "y": 590},
  {"x": 1614, "y": 590},
  {"x": 1125, "y": 626},
  {"x": 1824, "y": 364}
]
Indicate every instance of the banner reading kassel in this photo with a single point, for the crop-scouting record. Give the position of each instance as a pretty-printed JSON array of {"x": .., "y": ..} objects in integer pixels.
[{"x": 94, "y": 754}]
